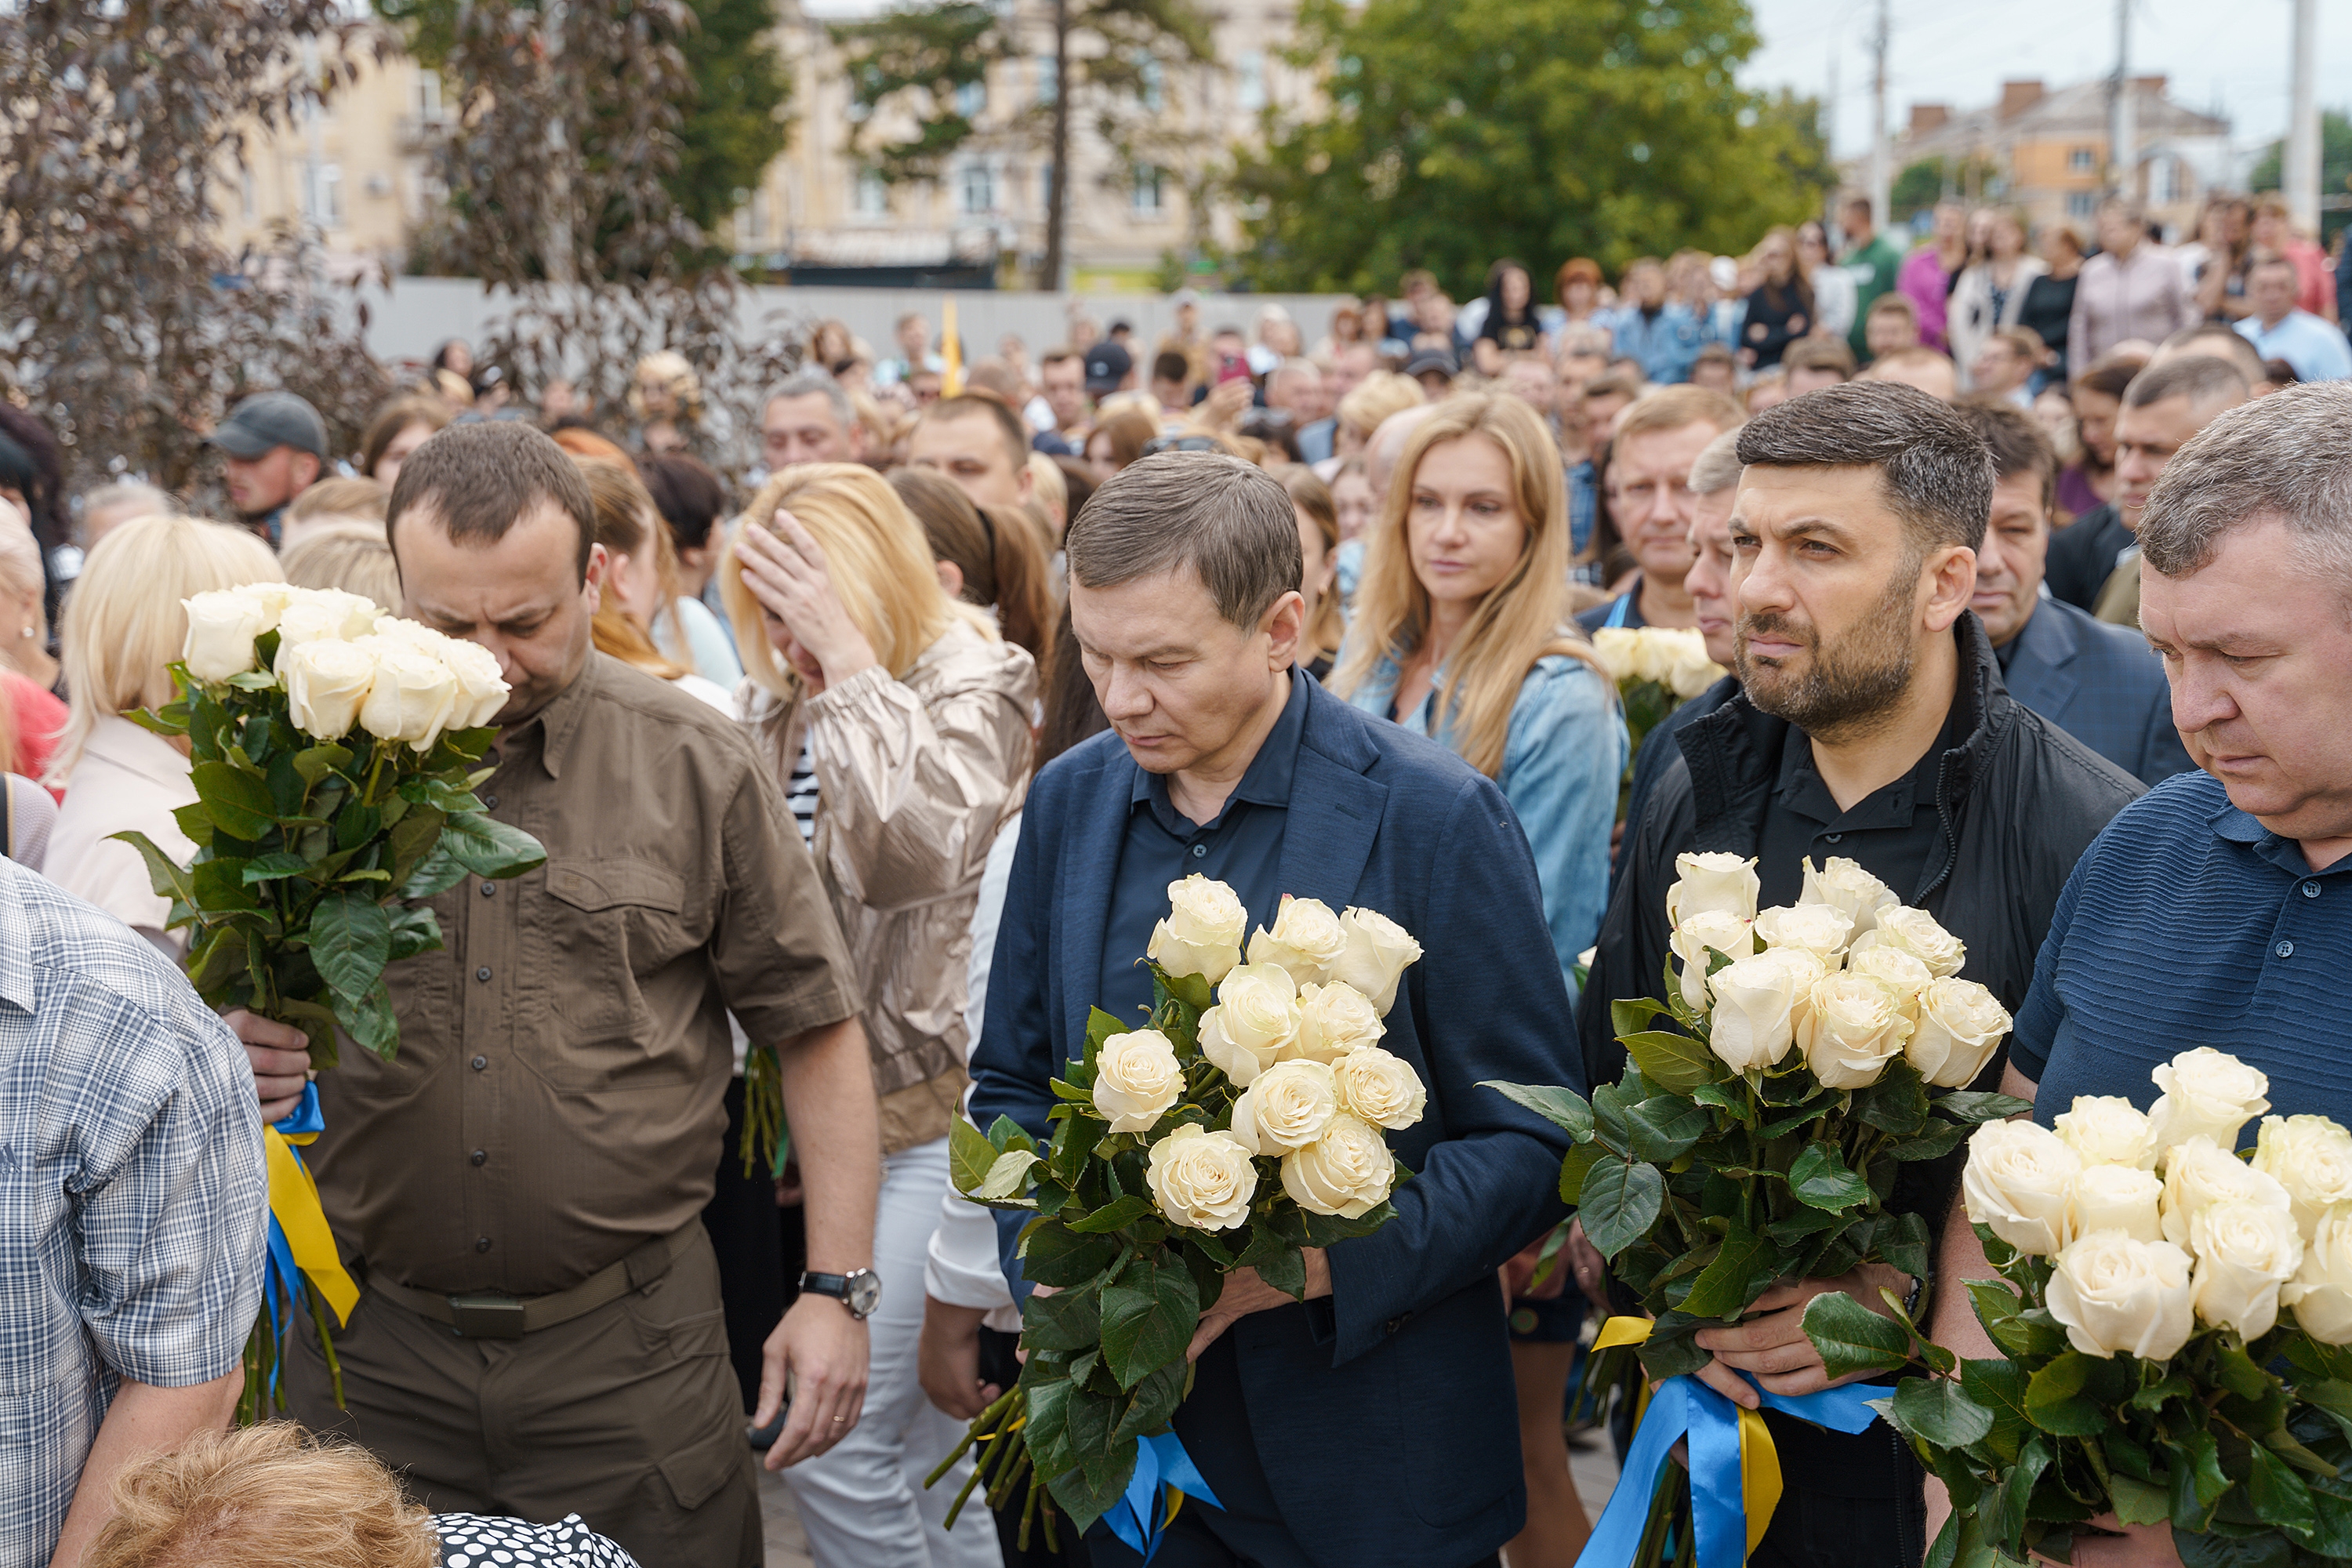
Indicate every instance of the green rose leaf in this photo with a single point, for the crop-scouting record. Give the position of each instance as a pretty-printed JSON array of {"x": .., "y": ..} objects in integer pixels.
[
  {"x": 489, "y": 847},
  {"x": 1065, "y": 1321},
  {"x": 1563, "y": 1108},
  {"x": 1152, "y": 1404},
  {"x": 318, "y": 761},
  {"x": 370, "y": 1021},
  {"x": 1057, "y": 1256},
  {"x": 2278, "y": 1494},
  {"x": 1940, "y": 1411},
  {"x": 1619, "y": 1203},
  {"x": 1149, "y": 1314},
  {"x": 2197, "y": 1549},
  {"x": 437, "y": 873},
  {"x": 1006, "y": 1175},
  {"x": 1820, "y": 1177},
  {"x": 2137, "y": 1502},
  {"x": 1664, "y": 1127},
  {"x": 2004, "y": 1508},
  {"x": 1112, "y": 1215},
  {"x": 1999, "y": 1386},
  {"x": 969, "y": 1155},
  {"x": 1286, "y": 1270},
  {"x": 1973, "y": 1106},
  {"x": 2198, "y": 1481},
  {"x": 220, "y": 887},
  {"x": 1939, "y": 1140},
  {"x": 1721, "y": 1288},
  {"x": 1675, "y": 1063},
  {"x": 1086, "y": 1492},
  {"x": 2055, "y": 1402},
  {"x": 1101, "y": 1027},
  {"x": 274, "y": 867},
  {"x": 351, "y": 941},
  {"x": 163, "y": 874},
  {"x": 239, "y": 800},
  {"x": 415, "y": 931},
  {"x": 1852, "y": 1338},
  {"x": 1572, "y": 1170}
]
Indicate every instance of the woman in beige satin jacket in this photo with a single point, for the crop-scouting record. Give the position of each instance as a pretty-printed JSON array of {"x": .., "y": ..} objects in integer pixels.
[{"x": 898, "y": 722}]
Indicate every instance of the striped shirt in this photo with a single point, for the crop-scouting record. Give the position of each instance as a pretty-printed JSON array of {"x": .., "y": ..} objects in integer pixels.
[
  {"x": 800, "y": 794},
  {"x": 131, "y": 1197}
]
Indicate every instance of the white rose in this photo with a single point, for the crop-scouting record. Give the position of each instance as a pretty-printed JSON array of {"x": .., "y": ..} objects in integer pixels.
[
  {"x": 221, "y": 624},
  {"x": 2321, "y": 1290},
  {"x": 482, "y": 688},
  {"x": 1380, "y": 1086},
  {"x": 1896, "y": 970},
  {"x": 1753, "y": 1022},
  {"x": 1287, "y": 1108},
  {"x": 1379, "y": 952},
  {"x": 1698, "y": 938},
  {"x": 1853, "y": 1028},
  {"x": 2115, "y": 1197},
  {"x": 2311, "y": 1158},
  {"x": 2107, "y": 1130},
  {"x": 414, "y": 698},
  {"x": 1137, "y": 1079},
  {"x": 326, "y": 682},
  {"x": 2244, "y": 1252},
  {"x": 1817, "y": 929},
  {"x": 2206, "y": 1092},
  {"x": 2121, "y": 1297},
  {"x": 1619, "y": 651},
  {"x": 1333, "y": 1020},
  {"x": 312, "y": 614},
  {"x": 1202, "y": 1180},
  {"x": 1960, "y": 1026},
  {"x": 1914, "y": 932},
  {"x": 1256, "y": 1020},
  {"x": 2200, "y": 1173},
  {"x": 1713, "y": 882},
  {"x": 2017, "y": 1181},
  {"x": 1346, "y": 1172},
  {"x": 1688, "y": 668},
  {"x": 273, "y": 597},
  {"x": 1842, "y": 884},
  {"x": 1202, "y": 932},
  {"x": 1307, "y": 940}
]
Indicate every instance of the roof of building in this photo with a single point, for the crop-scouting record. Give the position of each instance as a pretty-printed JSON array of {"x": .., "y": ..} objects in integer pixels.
[{"x": 2080, "y": 109}]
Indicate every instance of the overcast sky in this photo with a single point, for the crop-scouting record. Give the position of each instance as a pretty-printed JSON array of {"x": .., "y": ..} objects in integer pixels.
[{"x": 2230, "y": 52}]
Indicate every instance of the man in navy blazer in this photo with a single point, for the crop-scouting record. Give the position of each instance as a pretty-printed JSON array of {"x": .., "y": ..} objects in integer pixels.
[
  {"x": 2101, "y": 684},
  {"x": 1375, "y": 1422}
]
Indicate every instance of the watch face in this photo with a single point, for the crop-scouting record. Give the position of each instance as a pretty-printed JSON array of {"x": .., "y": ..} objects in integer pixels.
[{"x": 865, "y": 1293}]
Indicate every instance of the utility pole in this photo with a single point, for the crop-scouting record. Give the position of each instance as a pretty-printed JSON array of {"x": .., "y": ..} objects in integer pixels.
[
  {"x": 2123, "y": 133},
  {"x": 1829, "y": 127},
  {"x": 1057, "y": 198},
  {"x": 2301, "y": 174},
  {"x": 1881, "y": 180}
]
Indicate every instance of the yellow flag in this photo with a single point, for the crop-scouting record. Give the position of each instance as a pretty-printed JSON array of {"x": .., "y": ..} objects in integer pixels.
[{"x": 952, "y": 351}]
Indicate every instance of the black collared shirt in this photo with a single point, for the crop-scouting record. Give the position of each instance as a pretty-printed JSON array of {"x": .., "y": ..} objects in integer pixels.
[
  {"x": 1894, "y": 832},
  {"x": 1241, "y": 848}
]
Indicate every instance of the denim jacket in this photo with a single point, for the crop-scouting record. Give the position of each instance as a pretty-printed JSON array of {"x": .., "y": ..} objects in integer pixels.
[
  {"x": 1667, "y": 344},
  {"x": 1562, "y": 764}
]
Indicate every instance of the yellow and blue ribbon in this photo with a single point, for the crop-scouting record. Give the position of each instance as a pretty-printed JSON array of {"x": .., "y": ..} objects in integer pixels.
[
  {"x": 300, "y": 1245},
  {"x": 1164, "y": 1474},
  {"x": 1735, "y": 1471}
]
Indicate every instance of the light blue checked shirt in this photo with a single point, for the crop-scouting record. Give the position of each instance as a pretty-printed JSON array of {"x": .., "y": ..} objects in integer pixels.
[{"x": 132, "y": 1194}]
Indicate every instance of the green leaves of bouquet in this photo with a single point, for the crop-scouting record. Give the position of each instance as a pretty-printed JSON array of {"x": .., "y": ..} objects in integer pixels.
[
  {"x": 333, "y": 751},
  {"x": 1234, "y": 1128},
  {"x": 1759, "y": 1137},
  {"x": 2171, "y": 1333}
]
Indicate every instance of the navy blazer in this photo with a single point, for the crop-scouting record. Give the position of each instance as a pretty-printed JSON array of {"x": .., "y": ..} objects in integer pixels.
[
  {"x": 2103, "y": 685},
  {"x": 1385, "y": 1417}
]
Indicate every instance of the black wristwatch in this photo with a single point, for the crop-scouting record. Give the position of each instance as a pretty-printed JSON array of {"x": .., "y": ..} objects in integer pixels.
[{"x": 860, "y": 1289}]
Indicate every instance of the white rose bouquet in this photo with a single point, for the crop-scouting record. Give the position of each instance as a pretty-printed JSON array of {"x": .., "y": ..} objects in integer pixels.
[
  {"x": 2172, "y": 1332},
  {"x": 1243, "y": 1122},
  {"x": 1657, "y": 669},
  {"x": 333, "y": 748}
]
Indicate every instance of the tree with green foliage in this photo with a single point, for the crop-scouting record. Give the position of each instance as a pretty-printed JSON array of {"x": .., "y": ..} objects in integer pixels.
[
  {"x": 2335, "y": 167},
  {"x": 1919, "y": 186},
  {"x": 916, "y": 67},
  {"x": 1458, "y": 130}
]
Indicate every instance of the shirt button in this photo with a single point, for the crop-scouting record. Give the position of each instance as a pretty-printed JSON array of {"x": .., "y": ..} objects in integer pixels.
[
  {"x": 481, "y": 1243},
  {"x": 480, "y": 1063},
  {"x": 2284, "y": 950},
  {"x": 481, "y": 1156},
  {"x": 2310, "y": 890},
  {"x": 490, "y": 889},
  {"x": 490, "y": 802},
  {"x": 1200, "y": 851},
  {"x": 483, "y": 973},
  {"x": 1834, "y": 839}
]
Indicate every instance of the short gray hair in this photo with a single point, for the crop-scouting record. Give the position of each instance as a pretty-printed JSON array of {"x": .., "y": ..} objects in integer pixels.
[
  {"x": 2287, "y": 456},
  {"x": 1934, "y": 471},
  {"x": 1718, "y": 468},
  {"x": 1230, "y": 523},
  {"x": 811, "y": 379}
]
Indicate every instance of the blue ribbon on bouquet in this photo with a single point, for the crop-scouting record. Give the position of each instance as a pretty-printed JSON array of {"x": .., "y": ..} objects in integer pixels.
[
  {"x": 1735, "y": 1473},
  {"x": 300, "y": 1242},
  {"x": 1163, "y": 1468}
]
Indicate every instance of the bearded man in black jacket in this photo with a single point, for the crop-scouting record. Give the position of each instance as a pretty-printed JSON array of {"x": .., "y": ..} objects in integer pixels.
[{"x": 1873, "y": 726}]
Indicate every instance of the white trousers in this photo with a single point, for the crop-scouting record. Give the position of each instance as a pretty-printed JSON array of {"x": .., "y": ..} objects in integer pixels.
[{"x": 862, "y": 1502}]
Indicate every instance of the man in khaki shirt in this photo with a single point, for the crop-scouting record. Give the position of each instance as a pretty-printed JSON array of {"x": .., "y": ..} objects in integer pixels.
[{"x": 541, "y": 1331}]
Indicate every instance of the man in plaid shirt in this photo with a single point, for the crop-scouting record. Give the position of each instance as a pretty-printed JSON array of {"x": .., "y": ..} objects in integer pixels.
[{"x": 132, "y": 1216}]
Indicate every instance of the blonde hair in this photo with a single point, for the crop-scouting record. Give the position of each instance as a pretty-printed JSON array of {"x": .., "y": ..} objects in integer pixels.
[
  {"x": 1052, "y": 490},
  {"x": 1523, "y": 619},
  {"x": 353, "y": 556},
  {"x": 1377, "y": 396},
  {"x": 123, "y": 623},
  {"x": 1312, "y": 496},
  {"x": 367, "y": 499},
  {"x": 628, "y": 523},
  {"x": 20, "y": 568},
  {"x": 266, "y": 1493},
  {"x": 875, "y": 552}
]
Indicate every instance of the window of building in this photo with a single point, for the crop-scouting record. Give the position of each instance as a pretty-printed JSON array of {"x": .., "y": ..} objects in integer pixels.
[
  {"x": 978, "y": 186},
  {"x": 971, "y": 98},
  {"x": 1154, "y": 80},
  {"x": 2082, "y": 160},
  {"x": 871, "y": 196},
  {"x": 327, "y": 198},
  {"x": 1048, "y": 78},
  {"x": 2173, "y": 183},
  {"x": 1146, "y": 197},
  {"x": 1249, "y": 82},
  {"x": 2081, "y": 204},
  {"x": 428, "y": 97}
]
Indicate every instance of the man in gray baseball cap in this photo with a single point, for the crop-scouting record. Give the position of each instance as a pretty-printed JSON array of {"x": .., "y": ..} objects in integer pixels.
[{"x": 275, "y": 448}]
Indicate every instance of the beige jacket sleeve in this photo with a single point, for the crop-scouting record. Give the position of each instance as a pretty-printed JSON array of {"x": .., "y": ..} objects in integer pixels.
[{"x": 914, "y": 790}]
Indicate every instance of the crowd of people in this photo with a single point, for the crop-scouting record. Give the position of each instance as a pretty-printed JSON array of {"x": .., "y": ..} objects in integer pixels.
[{"x": 878, "y": 747}]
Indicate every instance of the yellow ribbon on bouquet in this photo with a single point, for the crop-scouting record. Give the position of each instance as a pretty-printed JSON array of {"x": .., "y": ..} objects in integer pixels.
[{"x": 294, "y": 1204}]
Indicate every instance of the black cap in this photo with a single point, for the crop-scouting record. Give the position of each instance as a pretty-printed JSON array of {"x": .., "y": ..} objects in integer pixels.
[
  {"x": 1431, "y": 359},
  {"x": 268, "y": 420},
  {"x": 1108, "y": 365}
]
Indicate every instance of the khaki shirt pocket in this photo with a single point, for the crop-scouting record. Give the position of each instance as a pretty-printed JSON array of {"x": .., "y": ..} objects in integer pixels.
[{"x": 608, "y": 922}]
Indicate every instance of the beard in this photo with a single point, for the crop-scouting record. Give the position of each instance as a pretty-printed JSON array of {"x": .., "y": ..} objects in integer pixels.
[{"x": 1844, "y": 692}]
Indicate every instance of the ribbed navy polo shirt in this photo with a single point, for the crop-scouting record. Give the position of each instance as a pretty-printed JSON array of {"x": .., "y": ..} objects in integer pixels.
[{"x": 2188, "y": 923}]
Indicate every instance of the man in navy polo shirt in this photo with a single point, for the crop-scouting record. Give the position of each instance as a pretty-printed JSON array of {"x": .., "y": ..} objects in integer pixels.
[{"x": 2217, "y": 909}]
